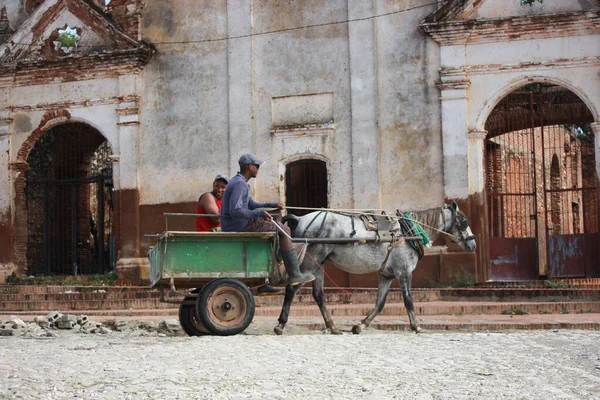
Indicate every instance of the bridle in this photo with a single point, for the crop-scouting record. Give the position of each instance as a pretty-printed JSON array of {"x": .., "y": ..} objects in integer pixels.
[{"x": 459, "y": 219}]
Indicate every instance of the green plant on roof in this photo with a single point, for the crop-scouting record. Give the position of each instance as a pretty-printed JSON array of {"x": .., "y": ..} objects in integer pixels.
[
  {"x": 68, "y": 37},
  {"x": 530, "y": 2}
]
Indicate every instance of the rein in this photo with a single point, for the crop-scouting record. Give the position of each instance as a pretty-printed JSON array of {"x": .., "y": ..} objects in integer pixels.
[{"x": 348, "y": 212}]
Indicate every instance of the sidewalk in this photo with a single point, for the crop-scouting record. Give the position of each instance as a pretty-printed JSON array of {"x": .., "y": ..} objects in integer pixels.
[{"x": 588, "y": 321}]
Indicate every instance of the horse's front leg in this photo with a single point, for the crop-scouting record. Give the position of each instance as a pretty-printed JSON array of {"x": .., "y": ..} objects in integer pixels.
[
  {"x": 319, "y": 296},
  {"x": 406, "y": 285},
  {"x": 290, "y": 293},
  {"x": 383, "y": 287}
]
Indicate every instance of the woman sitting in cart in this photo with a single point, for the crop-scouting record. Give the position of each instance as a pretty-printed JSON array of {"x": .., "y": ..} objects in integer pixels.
[
  {"x": 244, "y": 216},
  {"x": 210, "y": 203}
]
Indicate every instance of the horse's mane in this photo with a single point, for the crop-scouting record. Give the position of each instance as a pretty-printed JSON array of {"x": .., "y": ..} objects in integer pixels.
[{"x": 430, "y": 217}]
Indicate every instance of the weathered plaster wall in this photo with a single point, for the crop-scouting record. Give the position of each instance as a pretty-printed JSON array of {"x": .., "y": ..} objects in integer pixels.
[
  {"x": 204, "y": 104},
  {"x": 184, "y": 117},
  {"x": 408, "y": 110},
  {"x": 15, "y": 11},
  {"x": 296, "y": 63}
]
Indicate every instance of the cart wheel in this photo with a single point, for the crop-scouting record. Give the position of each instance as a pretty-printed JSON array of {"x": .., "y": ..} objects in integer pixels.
[
  {"x": 188, "y": 319},
  {"x": 225, "y": 306}
]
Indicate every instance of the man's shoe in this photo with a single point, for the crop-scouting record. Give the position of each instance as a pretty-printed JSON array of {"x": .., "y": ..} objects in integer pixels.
[
  {"x": 290, "y": 260},
  {"x": 268, "y": 290}
]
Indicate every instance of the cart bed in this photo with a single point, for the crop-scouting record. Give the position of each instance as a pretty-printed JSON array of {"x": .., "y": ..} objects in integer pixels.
[{"x": 189, "y": 259}]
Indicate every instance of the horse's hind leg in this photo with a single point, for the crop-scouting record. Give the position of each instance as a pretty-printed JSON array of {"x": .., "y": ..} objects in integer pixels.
[
  {"x": 405, "y": 285},
  {"x": 319, "y": 296},
  {"x": 382, "y": 292},
  {"x": 290, "y": 293}
]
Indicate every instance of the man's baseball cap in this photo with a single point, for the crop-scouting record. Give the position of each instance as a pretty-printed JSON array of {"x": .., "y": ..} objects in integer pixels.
[
  {"x": 249, "y": 158},
  {"x": 222, "y": 177}
]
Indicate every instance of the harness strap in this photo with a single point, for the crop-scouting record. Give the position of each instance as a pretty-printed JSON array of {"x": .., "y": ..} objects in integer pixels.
[
  {"x": 322, "y": 224},
  {"x": 453, "y": 238},
  {"x": 313, "y": 220},
  {"x": 396, "y": 240}
]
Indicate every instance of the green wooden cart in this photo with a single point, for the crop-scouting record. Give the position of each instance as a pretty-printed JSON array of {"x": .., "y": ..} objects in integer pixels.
[{"x": 214, "y": 270}]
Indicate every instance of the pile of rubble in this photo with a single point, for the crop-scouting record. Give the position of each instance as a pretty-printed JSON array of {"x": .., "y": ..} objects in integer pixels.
[{"x": 51, "y": 324}]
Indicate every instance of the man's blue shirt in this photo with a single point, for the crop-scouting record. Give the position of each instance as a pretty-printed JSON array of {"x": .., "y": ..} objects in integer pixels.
[{"x": 238, "y": 204}]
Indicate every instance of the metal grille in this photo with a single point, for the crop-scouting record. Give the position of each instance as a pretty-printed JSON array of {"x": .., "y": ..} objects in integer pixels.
[
  {"x": 69, "y": 203},
  {"x": 541, "y": 181},
  {"x": 306, "y": 185}
]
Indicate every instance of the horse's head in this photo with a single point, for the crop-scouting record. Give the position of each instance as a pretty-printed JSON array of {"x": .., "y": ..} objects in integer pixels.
[{"x": 456, "y": 224}]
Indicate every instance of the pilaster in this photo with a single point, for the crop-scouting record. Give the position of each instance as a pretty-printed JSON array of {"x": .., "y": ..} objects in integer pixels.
[
  {"x": 363, "y": 86},
  {"x": 455, "y": 141},
  {"x": 596, "y": 129},
  {"x": 6, "y": 237},
  {"x": 130, "y": 265},
  {"x": 239, "y": 72},
  {"x": 476, "y": 161}
]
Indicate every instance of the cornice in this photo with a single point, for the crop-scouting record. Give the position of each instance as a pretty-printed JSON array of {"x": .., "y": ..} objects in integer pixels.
[
  {"x": 453, "y": 84},
  {"x": 488, "y": 30},
  {"x": 304, "y": 130},
  {"x": 75, "y": 67},
  {"x": 477, "y": 135},
  {"x": 449, "y": 73},
  {"x": 75, "y": 104}
]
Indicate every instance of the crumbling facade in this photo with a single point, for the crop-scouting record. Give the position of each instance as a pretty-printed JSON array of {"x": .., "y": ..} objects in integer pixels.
[{"x": 384, "y": 104}]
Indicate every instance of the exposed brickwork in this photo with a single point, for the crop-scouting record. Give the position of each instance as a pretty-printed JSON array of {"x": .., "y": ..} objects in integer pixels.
[
  {"x": 20, "y": 222},
  {"x": 50, "y": 118},
  {"x": 121, "y": 53},
  {"x": 464, "y": 309},
  {"x": 6, "y": 238},
  {"x": 127, "y": 15}
]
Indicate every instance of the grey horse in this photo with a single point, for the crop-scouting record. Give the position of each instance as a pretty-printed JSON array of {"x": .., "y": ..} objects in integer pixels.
[{"x": 399, "y": 263}]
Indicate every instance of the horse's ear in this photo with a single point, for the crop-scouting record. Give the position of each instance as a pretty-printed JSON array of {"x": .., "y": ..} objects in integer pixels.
[{"x": 454, "y": 205}]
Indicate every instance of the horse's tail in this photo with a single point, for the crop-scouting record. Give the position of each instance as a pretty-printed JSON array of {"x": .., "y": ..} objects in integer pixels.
[{"x": 291, "y": 220}]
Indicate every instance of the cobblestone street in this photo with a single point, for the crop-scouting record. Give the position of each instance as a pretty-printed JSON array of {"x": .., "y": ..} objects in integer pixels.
[{"x": 517, "y": 365}]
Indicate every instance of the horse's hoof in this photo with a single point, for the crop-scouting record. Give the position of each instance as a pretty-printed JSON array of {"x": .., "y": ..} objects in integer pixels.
[
  {"x": 278, "y": 330},
  {"x": 356, "y": 329},
  {"x": 336, "y": 331},
  {"x": 418, "y": 329}
]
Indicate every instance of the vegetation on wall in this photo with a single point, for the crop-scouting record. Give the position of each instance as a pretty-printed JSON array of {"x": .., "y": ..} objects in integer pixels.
[{"x": 530, "y": 2}]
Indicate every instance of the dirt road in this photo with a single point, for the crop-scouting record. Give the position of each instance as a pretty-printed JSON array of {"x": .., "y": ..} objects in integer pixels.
[{"x": 304, "y": 365}]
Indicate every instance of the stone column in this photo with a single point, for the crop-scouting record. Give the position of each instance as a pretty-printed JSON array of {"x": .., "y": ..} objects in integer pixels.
[
  {"x": 239, "y": 72},
  {"x": 131, "y": 265},
  {"x": 595, "y": 126},
  {"x": 476, "y": 161},
  {"x": 455, "y": 138},
  {"x": 6, "y": 237},
  {"x": 363, "y": 86},
  {"x": 596, "y": 129}
]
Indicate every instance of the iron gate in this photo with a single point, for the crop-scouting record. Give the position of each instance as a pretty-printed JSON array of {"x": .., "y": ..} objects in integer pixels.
[
  {"x": 69, "y": 203},
  {"x": 541, "y": 185},
  {"x": 70, "y": 227}
]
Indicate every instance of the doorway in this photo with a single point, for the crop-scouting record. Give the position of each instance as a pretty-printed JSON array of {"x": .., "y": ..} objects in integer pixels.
[
  {"x": 69, "y": 203},
  {"x": 542, "y": 199},
  {"x": 306, "y": 185}
]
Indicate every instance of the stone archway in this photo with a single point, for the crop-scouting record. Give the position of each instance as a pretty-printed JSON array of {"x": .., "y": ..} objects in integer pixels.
[
  {"x": 541, "y": 185},
  {"x": 64, "y": 200}
]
